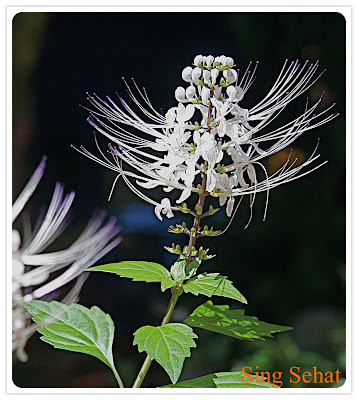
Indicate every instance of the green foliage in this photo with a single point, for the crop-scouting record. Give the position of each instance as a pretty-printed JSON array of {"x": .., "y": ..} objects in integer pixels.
[
  {"x": 177, "y": 270},
  {"x": 139, "y": 271},
  {"x": 209, "y": 232},
  {"x": 212, "y": 210},
  {"x": 168, "y": 345},
  {"x": 222, "y": 380},
  {"x": 178, "y": 228},
  {"x": 213, "y": 284},
  {"x": 175, "y": 249},
  {"x": 198, "y": 209},
  {"x": 74, "y": 328},
  {"x": 220, "y": 319},
  {"x": 180, "y": 271}
]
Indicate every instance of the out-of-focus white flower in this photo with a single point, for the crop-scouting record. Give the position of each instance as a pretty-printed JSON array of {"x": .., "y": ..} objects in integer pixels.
[
  {"x": 38, "y": 274},
  {"x": 163, "y": 208},
  {"x": 207, "y": 127}
]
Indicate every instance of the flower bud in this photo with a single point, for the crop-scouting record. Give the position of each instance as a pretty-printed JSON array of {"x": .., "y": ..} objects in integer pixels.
[
  {"x": 239, "y": 93},
  {"x": 209, "y": 60},
  {"x": 186, "y": 74},
  {"x": 217, "y": 91},
  {"x": 196, "y": 74},
  {"x": 205, "y": 94},
  {"x": 231, "y": 93},
  {"x": 190, "y": 93},
  {"x": 214, "y": 75},
  {"x": 206, "y": 76},
  {"x": 198, "y": 60},
  {"x": 221, "y": 60},
  {"x": 229, "y": 62},
  {"x": 180, "y": 94},
  {"x": 230, "y": 75}
]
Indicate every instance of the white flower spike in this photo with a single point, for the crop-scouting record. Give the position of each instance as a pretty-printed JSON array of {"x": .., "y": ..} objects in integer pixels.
[
  {"x": 35, "y": 272},
  {"x": 208, "y": 126}
]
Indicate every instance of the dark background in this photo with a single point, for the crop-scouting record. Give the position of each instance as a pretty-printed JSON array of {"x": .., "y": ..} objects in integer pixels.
[{"x": 291, "y": 267}]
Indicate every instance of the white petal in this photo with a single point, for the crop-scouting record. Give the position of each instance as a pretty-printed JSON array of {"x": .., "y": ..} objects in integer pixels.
[
  {"x": 157, "y": 209},
  {"x": 190, "y": 92},
  {"x": 231, "y": 93},
  {"x": 149, "y": 184},
  {"x": 180, "y": 94},
  {"x": 16, "y": 240},
  {"x": 198, "y": 60},
  {"x": 230, "y": 206},
  {"x": 206, "y": 76},
  {"x": 166, "y": 203},
  {"x": 222, "y": 200},
  {"x": 196, "y": 75},
  {"x": 186, "y": 74},
  {"x": 185, "y": 194},
  {"x": 205, "y": 94},
  {"x": 28, "y": 190},
  {"x": 229, "y": 62},
  {"x": 251, "y": 173}
]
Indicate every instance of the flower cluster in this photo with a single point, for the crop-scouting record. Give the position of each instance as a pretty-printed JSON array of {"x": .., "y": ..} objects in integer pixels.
[
  {"x": 35, "y": 273},
  {"x": 208, "y": 134}
]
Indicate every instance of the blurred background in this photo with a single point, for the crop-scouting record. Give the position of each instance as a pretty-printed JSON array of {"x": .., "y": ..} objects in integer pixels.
[{"x": 291, "y": 267}]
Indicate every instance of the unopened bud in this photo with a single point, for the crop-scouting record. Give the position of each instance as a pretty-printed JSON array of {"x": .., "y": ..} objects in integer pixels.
[
  {"x": 230, "y": 75},
  {"x": 231, "y": 93},
  {"x": 180, "y": 94},
  {"x": 209, "y": 60},
  {"x": 229, "y": 62},
  {"x": 239, "y": 93},
  {"x": 206, "y": 76},
  {"x": 198, "y": 60},
  {"x": 196, "y": 75},
  {"x": 217, "y": 91},
  {"x": 214, "y": 75},
  {"x": 190, "y": 93},
  {"x": 186, "y": 74},
  {"x": 221, "y": 60},
  {"x": 205, "y": 94}
]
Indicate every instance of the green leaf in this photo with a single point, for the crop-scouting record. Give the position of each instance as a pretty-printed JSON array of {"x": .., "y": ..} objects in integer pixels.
[
  {"x": 192, "y": 267},
  {"x": 235, "y": 379},
  {"x": 220, "y": 319},
  {"x": 180, "y": 271},
  {"x": 177, "y": 270},
  {"x": 144, "y": 271},
  {"x": 213, "y": 284},
  {"x": 168, "y": 345},
  {"x": 74, "y": 328}
]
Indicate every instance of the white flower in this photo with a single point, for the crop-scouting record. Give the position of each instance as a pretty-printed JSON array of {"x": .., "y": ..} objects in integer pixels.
[
  {"x": 35, "y": 272},
  {"x": 227, "y": 183},
  {"x": 163, "y": 208},
  {"x": 192, "y": 147}
]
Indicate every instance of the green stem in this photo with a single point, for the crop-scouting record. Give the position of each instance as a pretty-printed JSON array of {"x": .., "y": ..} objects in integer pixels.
[
  {"x": 142, "y": 373},
  {"x": 119, "y": 380},
  {"x": 176, "y": 292}
]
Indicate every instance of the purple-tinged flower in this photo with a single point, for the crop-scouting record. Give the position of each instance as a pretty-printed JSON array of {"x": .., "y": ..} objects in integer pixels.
[{"x": 39, "y": 274}]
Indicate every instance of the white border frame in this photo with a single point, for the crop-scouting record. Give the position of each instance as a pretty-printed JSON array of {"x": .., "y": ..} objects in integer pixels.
[{"x": 11, "y": 11}]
